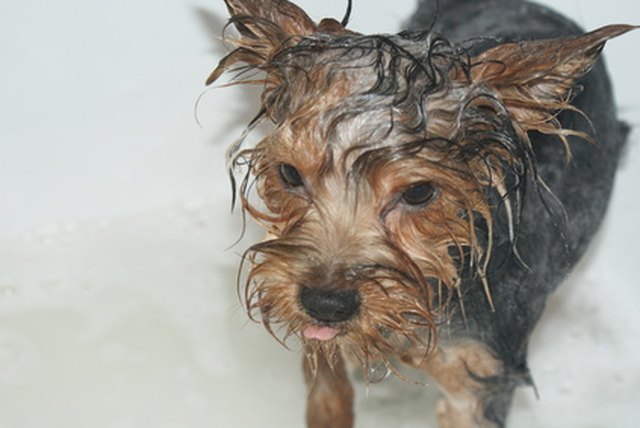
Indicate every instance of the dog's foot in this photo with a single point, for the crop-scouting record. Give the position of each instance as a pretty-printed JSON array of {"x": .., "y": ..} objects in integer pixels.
[{"x": 466, "y": 416}]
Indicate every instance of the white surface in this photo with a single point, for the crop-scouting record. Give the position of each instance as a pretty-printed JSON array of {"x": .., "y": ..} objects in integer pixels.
[{"x": 117, "y": 291}]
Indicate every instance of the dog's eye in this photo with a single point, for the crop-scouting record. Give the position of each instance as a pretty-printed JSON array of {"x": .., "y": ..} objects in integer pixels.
[
  {"x": 290, "y": 175},
  {"x": 418, "y": 194}
]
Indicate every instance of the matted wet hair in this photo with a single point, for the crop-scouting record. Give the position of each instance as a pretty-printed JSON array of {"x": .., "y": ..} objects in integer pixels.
[{"x": 468, "y": 117}]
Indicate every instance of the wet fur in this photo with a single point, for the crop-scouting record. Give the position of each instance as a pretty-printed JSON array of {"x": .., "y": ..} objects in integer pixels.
[{"x": 455, "y": 286}]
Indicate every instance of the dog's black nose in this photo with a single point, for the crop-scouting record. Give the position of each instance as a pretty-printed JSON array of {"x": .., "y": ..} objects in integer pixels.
[{"x": 329, "y": 305}]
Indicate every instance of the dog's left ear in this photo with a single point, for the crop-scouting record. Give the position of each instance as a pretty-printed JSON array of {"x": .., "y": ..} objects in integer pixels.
[
  {"x": 535, "y": 79},
  {"x": 265, "y": 26},
  {"x": 285, "y": 19}
]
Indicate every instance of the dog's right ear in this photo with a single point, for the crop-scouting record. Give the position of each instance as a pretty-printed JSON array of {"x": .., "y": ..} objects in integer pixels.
[
  {"x": 264, "y": 27},
  {"x": 536, "y": 79}
]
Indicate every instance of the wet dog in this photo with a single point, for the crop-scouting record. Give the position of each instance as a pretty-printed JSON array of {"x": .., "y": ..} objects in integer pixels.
[{"x": 422, "y": 192}]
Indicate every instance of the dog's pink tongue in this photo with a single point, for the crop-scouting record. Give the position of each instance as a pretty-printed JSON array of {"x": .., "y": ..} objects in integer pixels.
[{"x": 320, "y": 333}]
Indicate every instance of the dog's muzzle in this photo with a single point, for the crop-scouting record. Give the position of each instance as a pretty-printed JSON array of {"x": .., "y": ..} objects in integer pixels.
[{"x": 330, "y": 305}]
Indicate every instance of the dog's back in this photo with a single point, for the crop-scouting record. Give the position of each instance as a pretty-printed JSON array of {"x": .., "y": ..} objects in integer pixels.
[
  {"x": 461, "y": 20},
  {"x": 556, "y": 224}
]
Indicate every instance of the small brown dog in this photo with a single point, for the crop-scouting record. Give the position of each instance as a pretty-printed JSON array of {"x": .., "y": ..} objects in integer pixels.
[{"x": 417, "y": 196}]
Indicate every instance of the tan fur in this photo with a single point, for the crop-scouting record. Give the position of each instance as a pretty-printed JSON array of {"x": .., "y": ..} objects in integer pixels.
[
  {"x": 456, "y": 368},
  {"x": 330, "y": 400},
  {"x": 346, "y": 226}
]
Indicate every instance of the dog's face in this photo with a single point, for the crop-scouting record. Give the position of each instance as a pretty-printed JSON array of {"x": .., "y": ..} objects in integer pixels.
[{"x": 380, "y": 176}]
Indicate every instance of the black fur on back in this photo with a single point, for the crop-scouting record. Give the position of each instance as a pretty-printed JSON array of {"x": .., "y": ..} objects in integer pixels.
[{"x": 551, "y": 237}]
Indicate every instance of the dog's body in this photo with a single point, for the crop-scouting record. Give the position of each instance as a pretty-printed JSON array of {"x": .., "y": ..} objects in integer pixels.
[
  {"x": 550, "y": 245},
  {"x": 419, "y": 203}
]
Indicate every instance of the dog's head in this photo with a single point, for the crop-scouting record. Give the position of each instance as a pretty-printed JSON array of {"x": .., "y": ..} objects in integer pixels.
[{"x": 376, "y": 176}]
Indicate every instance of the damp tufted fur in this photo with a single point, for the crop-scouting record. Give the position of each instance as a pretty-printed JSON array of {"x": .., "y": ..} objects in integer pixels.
[{"x": 361, "y": 119}]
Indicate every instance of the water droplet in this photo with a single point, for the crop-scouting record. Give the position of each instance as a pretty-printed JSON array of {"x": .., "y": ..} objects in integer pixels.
[{"x": 378, "y": 371}]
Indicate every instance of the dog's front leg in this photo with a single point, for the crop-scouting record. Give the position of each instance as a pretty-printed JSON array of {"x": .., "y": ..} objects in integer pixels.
[
  {"x": 472, "y": 380},
  {"x": 330, "y": 399}
]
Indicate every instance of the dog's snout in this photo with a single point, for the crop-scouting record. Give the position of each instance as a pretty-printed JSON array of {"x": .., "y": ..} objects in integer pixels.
[{"x": 330, "y": 305}]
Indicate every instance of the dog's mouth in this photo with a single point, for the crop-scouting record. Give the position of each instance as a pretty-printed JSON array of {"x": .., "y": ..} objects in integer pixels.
[{"x": 321, "y": 333}]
